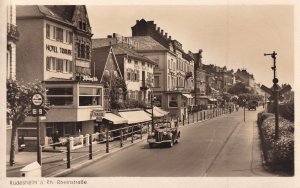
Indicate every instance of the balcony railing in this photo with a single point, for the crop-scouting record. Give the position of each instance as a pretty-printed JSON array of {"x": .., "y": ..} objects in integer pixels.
[{"x": 12, "y": 32}]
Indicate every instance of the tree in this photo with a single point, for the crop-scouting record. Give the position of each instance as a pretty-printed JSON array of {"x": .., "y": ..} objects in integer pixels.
[
  {"x": 19, "y": 105},
  {"x": 239, "y": 88},
  {"x": 117, "y": 87}
]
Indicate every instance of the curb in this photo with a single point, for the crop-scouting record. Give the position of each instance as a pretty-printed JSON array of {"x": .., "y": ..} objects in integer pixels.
[
  {"x": 82, "y": 164},
  {"x": 14, "y": 167}
]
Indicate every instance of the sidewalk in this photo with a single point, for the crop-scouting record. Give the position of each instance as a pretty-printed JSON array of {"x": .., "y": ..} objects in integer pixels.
[
  {"x": 55, "y": 161},
  {"x": 241, "y": 155}
]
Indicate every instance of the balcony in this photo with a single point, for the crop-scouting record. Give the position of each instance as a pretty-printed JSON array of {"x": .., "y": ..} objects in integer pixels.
[
  {"x": 146, "y": 84},
  {"x": 12, "y": 32}
]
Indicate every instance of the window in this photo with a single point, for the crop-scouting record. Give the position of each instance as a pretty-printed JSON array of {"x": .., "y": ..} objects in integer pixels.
[
  {"x": 156, "y": 81},
  {"x": 169, "y": 64},
  {"x": 87, "y": 52},
  {"x": 47, "y": 31},
  {"x": 59, "y": 34},
  {"x": 53, "y": 33},
  {"x": 78, "y": 49},
  {"x": 136, "y": 62},
  {"x": 90, "y": 96},
  {"x": 60, "y": 65},
  {"x": 129, "y": 60},
  {"x": 173, "y": 101},
  {"x": 69, "y": 37},
  {"x": 143, "y": 63},
  {"x": 128, "y": 75},
  {"x": 84, "y": 26},
  {"x": 82, "y": 51},
  {"x": 67, "y": 66},
  {"x": 60, "y": 96},
  {"x": 48, "y": 66}
]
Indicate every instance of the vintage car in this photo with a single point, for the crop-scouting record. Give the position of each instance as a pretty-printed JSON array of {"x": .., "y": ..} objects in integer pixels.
[
  {"x": 252, "y": 104},
  {"x": 164, "y": 132}
]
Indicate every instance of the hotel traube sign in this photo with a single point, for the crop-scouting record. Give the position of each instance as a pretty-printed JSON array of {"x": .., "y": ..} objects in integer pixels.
[{"x": 55, "y": 49}]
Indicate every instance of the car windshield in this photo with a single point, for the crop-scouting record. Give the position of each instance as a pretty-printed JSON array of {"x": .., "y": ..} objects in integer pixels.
[{"x": 161, "y": 125}]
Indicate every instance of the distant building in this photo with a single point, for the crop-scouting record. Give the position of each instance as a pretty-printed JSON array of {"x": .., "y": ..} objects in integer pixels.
[
  {"x": 136, "y": 69},
  {"x": 245, "y": 77},
  {"x": 52, "y": 56},
  {"x": 174, "y": 74}
]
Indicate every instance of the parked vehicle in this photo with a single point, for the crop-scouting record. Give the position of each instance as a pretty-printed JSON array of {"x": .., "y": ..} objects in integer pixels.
[
  {"x": 252, "y": 104},
  {"x": 164, "y": 132}
]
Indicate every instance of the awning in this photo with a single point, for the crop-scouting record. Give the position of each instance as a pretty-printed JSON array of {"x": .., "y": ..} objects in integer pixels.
[
  {"x": 157, "y": 112},
  {"x": 189, "y": 96},
  {"x": 114, "y": 118},
  {"x": 161, "y": 110},
  {"x": 211, "y": 99},
  {"x": 135, "y": 116}
]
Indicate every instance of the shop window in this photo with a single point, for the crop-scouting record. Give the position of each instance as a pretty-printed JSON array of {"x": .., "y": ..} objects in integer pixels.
[
  {"x": 128, "y": 75},
  {"x": 157, "y": 100},
  {"x": 60, "y": 96},
  {"x": 173, "y": 101},
  {"x": 68, "y": 130},
  {"x": 89, "y": 96}
]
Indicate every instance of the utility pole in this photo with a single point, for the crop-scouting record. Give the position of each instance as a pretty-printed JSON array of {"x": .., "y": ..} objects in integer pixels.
[{"x": 275, "y": 92}]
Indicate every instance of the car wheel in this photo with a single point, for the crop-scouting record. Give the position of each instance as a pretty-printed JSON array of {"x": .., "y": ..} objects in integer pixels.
[
  {"x": 150, "y": 145},
  {"x": 171, "y": 143}
]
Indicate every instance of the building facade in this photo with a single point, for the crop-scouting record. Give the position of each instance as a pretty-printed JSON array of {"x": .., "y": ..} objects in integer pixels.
[
  {"x": 12, "y": 39},
  {"x": 136, "y": 69},
  {"x": 53, "y": 57},
  {"x": 174, "y": 73}
]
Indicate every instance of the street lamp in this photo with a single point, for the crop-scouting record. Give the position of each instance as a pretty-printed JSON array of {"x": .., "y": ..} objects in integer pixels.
[{"x": 152, "y": 116}]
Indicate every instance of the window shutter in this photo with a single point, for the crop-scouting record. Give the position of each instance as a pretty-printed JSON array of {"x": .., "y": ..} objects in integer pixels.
[
  {"x": 48, "y": 63},
  {"x": 70, "y": 66}
]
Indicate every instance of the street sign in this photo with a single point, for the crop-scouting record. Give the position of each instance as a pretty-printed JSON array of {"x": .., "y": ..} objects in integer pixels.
[
  {"x": 285, "y": 89},
  {"x": 37, "y": 99},
  {"x": 38, "y": 112},
  {"x": 99, "y": 114},
  {"x": 266, "y": 89}
]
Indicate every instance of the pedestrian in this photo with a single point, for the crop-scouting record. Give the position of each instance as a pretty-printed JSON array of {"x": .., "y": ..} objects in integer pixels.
[
  {"x": 237, "y": 107},
  {"x": 55, "y": 139}
]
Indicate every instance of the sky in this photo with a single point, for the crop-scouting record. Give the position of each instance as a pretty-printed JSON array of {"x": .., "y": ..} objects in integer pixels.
[{"x": 235, "y": 36}]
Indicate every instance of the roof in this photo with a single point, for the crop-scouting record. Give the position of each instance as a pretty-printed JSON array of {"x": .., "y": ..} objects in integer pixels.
[
  {"x": 114, "y": 118},
  {"x": 99, "y": 57},
  {"x": 147, "y": 43},
  {"x": 135, "y": 116},
  {"x": 120, "y": 49},
  {"x": 40, "y": 11}
]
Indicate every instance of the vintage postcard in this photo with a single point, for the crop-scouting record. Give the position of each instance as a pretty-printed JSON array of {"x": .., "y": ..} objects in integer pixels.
[{"x": 142, "y": 94}]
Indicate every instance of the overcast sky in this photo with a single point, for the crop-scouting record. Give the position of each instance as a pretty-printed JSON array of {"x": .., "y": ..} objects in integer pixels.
[{"x": 232, "y": 36}]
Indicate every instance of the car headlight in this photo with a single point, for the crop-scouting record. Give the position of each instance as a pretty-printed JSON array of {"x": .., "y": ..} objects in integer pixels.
[
  {"x": 152, "y": 134},
  {"x": 165, "y": 133}
]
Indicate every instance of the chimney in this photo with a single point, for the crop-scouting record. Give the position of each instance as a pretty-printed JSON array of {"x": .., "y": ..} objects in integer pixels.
[
  {"x": 109, "y": 36},
  {"x": 137, "y": 21},
  {"x": 154, "y": 26},
  {"x": 162, "y": 32},
  {"x": 170, "y": 37},
  {"x": 158, "y": 29},
  {"x": 166, "y": 35}
]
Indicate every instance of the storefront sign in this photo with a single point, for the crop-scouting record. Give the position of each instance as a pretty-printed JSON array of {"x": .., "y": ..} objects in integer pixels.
[
  {"x": 98, "y": 114},
  {"x": 54, "y": 49}
]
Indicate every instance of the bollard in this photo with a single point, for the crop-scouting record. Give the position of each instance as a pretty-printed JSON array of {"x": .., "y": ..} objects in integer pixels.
[
  {"x": 68, "y": 154},
  {"x": 193, "y": 117},
  {"x": 107, "y": 140},
  {"x": 183, "y": 119},
  {"x": 188, "y": 118},
  {"x": 90, "y": 148},
  {"x": 132, "y": 134},
  {"x": 141, "y": 131},
  {"x": 121, "y": 138},
  {"x": 197, "y": 116},
  {"x": 204, "y": 115}
]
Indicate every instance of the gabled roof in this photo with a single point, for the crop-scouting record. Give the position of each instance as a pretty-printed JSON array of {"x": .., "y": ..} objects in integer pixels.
[
  {"x": 100, "y": 57},
  {"x": 120, "y": 49}
]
